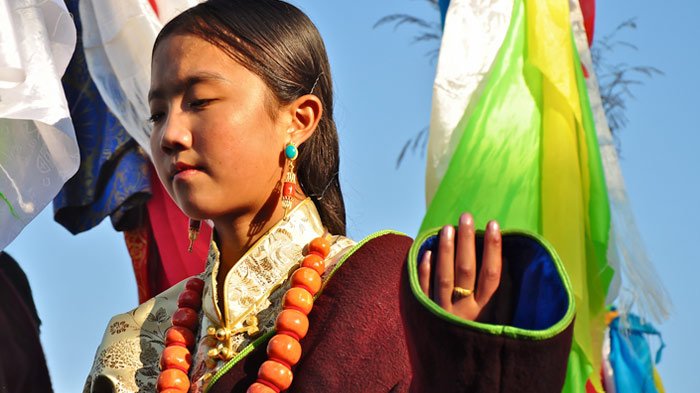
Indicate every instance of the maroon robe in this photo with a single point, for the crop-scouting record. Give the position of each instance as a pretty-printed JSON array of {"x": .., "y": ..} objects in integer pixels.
[{"x": 369, "y": 333}]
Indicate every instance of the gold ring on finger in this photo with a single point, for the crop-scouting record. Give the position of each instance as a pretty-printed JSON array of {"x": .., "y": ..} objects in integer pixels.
[{"x": 462, "y": 292}]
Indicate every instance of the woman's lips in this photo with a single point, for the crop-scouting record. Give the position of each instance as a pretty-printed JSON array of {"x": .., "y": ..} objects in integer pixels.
[{"x": 183, "y": 171}]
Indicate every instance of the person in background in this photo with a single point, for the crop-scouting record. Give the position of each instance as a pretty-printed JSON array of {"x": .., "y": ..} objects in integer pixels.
[{"x": 22, "y": 363}]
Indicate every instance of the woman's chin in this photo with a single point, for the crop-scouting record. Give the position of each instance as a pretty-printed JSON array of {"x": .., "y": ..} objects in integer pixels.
[{"x": 196, "y": 210}]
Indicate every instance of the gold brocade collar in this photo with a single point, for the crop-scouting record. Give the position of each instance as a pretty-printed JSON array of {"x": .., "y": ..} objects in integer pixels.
[
  {"x": 267, "y": 262},
  {"x": 254, "y": 286}
]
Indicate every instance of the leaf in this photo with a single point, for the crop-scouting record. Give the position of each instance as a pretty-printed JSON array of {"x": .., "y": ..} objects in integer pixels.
[{"x": 161, "y": 315}]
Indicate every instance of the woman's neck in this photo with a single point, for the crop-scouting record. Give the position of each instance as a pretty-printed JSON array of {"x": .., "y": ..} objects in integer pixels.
[{"x": 235, "y": 235}]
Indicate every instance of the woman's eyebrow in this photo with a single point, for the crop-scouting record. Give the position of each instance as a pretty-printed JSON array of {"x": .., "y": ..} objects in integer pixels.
[{"x": 185, "y": 83}]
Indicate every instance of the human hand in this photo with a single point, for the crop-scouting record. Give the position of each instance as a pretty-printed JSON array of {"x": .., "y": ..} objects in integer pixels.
[{"x": 452, "y": 284}]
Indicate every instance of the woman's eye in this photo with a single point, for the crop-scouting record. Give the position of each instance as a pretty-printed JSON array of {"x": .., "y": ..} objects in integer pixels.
[
  {"x": 155, "y": 118},
  {"x": 198, "y": 104}
]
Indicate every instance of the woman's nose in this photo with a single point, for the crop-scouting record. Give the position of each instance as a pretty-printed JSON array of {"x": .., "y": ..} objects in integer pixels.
[{"x": 175, "y": 134}]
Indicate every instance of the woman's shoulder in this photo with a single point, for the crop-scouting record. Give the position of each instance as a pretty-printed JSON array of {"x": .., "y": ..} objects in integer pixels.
[
  {"x": 153, "y": 309},
  {"x": 371, "y": 263},
  {"x": 382, "y": 248},
  {"x": 127, "y": 358}
]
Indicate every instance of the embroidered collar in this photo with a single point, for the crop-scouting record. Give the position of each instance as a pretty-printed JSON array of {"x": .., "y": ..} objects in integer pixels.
[
  {"x": 254, "y": 286},
  {"x": 265, "y": 264}
]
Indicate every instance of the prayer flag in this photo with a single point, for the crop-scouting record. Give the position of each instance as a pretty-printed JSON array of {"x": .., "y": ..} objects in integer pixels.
[
  {"x": 118, "y": 36},
  {"x": 38, "y": 148},
  {"x": 469, "y": 45},
  {"x": 626, "y": 252},
  {"x": 528, "y": 156}
]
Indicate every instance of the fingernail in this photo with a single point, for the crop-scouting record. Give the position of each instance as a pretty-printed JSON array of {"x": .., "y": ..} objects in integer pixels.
[
  {"x": 466, "y": 219},
  {"x": 493, "y": 226},
  {"x": 448, "y": 232},
  {"x": 426, "y": 256}
]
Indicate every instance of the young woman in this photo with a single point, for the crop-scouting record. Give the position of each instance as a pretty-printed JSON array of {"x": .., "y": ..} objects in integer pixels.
[{"x": 243, "y": 135}]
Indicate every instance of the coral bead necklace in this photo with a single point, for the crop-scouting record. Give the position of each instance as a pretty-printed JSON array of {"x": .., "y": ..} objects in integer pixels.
[
  {"x": 283, "y": 349},
  {"x": 175, "y": 361}
]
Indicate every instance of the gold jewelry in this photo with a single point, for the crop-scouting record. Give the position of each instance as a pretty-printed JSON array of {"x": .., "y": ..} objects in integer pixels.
[
  {"x": 462, "y": 292},
  {"x": 290, "y": 180},
  {"x": 192, "y": 232}
]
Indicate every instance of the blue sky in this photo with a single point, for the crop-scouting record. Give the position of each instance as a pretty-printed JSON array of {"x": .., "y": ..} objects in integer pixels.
[{"x": 383, "y": 89}]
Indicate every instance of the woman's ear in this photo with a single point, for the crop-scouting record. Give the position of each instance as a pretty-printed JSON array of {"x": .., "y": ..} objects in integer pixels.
[{"x": 306, "y": 112}]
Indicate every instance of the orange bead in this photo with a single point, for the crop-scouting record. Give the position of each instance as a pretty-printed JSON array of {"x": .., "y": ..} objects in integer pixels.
[
  {"x": 298, "y": 299},
  {"x": 176, "y": 357},
  {"x": 308, "y": 279},
  {"x": 293, "y": 323},
  {"x": 288, "y": 189},
  {"x": 178, "y": 335},
  {"x": 186, "y": 317},
  {"x": 320, "y": 246},
  {"x": 284, "y": 349},
  {"x": 314, "y": 261},
  {"x": 173, "y": 379},
  {"x": 276, "y": 373},
  {"x": 258, "y": 387}
]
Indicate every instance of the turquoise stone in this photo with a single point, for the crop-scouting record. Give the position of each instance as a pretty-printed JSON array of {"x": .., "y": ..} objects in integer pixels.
[{"x": 291, "y": 152}]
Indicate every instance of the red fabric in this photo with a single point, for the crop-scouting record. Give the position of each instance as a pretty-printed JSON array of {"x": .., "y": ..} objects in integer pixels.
[
  {"x": 589, "y": 387},
  {"x": 154, "y": 5},
  {"x": 169, "y": 226},
  {"x": 588, "y": 10},
  {"x": 137, "y": 243}
]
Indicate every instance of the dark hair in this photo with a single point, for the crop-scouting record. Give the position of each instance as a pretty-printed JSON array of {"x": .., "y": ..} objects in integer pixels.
[{"x": 279, "y": 43}]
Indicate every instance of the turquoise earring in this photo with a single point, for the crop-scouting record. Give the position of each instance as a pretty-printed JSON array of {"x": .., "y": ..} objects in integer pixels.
[{"x": 289, "y": 184}]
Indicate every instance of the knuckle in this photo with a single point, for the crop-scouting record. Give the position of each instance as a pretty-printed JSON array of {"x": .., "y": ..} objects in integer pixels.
[
  {"x": 444, "y": 283},
  {"x": 465, "y": 270},
  {"x": 492, "y": 274}
]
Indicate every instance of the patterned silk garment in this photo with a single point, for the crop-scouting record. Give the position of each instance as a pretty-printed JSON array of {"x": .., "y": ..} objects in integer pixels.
[{"x": 127, "y": 359}]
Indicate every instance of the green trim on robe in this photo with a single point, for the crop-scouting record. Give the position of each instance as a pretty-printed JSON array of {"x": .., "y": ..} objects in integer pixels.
[{"x": 498, "y": 330}]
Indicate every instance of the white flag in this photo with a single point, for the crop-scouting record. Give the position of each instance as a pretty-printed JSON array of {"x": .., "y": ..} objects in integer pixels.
[
  {"x": 38, "y": 148},
  {"x": 118, "y": 37},
  {"x": 473, "y": 34}
]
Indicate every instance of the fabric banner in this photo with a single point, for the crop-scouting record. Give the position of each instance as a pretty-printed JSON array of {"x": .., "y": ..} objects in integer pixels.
[
  {"x": 528, "y": 157},
  {"x": 38, "y": 149},
  {"x": 630, "y": 355},
  {"x": 169, "y": 228},
  {"x": 471, "y": 38},
  {"x": 634, "y": 272},
  {"x": 118, "y": 36},
  {"x": 443, "y": 5},
  {"x": 113, "y": 178}
]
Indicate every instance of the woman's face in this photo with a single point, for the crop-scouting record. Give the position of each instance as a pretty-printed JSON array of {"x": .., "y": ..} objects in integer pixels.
[{"x": 216, "y": 144}]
